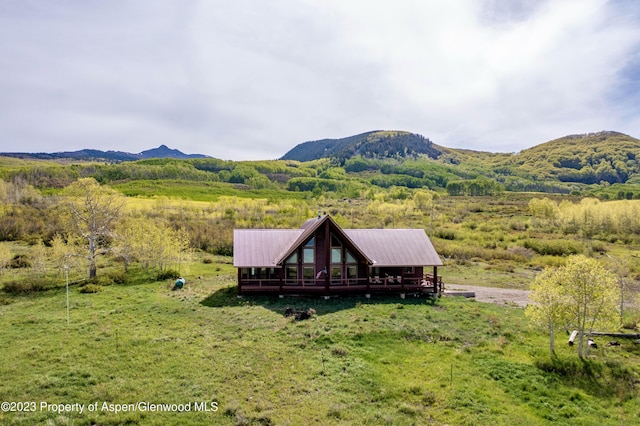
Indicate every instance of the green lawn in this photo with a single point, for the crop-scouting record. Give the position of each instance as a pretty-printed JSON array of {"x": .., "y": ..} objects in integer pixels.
[{"x": 358, "y": 361}]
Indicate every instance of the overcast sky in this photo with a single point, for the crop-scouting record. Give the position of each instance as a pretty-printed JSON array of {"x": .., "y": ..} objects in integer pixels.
[{"x": 251, "y": 79}]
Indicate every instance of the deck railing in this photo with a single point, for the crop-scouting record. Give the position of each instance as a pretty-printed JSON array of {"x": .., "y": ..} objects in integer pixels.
[{"x": 375, "y": 283}]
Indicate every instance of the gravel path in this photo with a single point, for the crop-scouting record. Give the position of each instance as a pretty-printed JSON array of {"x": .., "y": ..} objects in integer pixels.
[{"x": 501, "y": 296}]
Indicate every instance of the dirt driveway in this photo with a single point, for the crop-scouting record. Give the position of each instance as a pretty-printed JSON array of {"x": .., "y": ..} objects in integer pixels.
[{"x": 501, "y": 296}]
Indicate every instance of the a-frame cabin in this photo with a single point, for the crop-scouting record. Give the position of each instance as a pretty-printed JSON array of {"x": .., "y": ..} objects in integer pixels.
[{"x": 322, "y": 258}]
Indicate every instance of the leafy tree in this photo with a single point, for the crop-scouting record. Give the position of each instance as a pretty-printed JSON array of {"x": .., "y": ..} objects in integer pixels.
[
  {"x": 543, "y": 210},
  {"x": 93, "y": 211},
  {"x": 64, "y": 253},
  {"x": 549, "y": 305},
  {"x": 456, "y": 188},
  {"x": 128, "y": 234},
  {"x": 582, "y": 294},
  {"x": 425, "y": 200},
  {"x": 152, "y": 243},
  {"x": 593, "y": 295},
  {"x": 39, "y": 258}
]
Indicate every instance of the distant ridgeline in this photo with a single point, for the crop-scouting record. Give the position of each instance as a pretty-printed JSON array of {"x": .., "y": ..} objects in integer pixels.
[
  {"x": 111, "y": 156},
  {"x": 376, "y": 144}
]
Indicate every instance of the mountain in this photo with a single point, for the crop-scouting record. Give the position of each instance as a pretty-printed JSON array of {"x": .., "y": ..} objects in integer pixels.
[
  {"x": 165, "y": 152},
  {"x": 93, "y": 154},
  {"x": 606, "y": 156},
  {"x": 374, "y": 144}
]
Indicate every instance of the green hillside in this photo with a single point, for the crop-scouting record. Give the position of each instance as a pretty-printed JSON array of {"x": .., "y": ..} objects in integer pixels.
[
  {"x": 609, "y": 157},
  {"x": 603, "y": 164},
  {"x": 571, "y": 163}
]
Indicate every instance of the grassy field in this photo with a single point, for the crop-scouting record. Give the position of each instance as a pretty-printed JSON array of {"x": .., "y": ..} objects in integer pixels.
[{"x": 357, "y": 361}]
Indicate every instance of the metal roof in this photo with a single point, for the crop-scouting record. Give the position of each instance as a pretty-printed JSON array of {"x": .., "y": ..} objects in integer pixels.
[
  {"x": 396, "y": 247},
  {"x": 261, "y": 248},
  {"x": 383, "y": 247}
]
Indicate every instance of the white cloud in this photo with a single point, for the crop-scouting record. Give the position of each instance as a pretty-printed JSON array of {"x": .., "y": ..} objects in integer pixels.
[{"x": 249, "y": 80}]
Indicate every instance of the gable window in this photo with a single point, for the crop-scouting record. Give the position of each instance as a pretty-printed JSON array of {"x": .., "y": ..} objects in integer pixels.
[
  {"x": 309, "y": 260},
  {"x": 336, "y": 259}
]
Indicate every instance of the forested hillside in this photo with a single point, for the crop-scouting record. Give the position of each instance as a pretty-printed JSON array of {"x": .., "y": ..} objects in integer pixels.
[
  {"x": 603, "y": 164},
  {"x": 571, "y": 163},
  {"x": 604, "y": 157},
  {"x": 376, "y": 144}
]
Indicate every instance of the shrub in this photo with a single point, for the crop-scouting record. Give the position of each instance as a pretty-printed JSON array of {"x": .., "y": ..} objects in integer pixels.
[
  {"x": 429, "y": 398},
  {"x": 90, "y": 288},
  {"x": 554, "y": 247},
  {"x": 105, "y": 280},
  {"x": 207, "y": 261},
  {"x": 168, "y": 274},
  {"x": 519, "y": 251},
  {"x": 29, "y": 285},
  {"x": 518, "y": 226},
  {"x": 598, "y": 246},
  {"x": 339, "y": 350},
  {"x": 117, "y": 277},
  {"x": 20, "y": 261},
  {"x": 445, "y": 234}
]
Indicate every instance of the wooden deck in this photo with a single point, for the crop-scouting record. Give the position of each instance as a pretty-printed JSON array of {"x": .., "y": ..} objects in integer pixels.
[{"x": 348, "y": 287}]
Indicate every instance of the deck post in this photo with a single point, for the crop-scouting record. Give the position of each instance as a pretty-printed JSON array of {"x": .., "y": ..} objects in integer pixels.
[
  {"x": 327, "y": 254},
  {"x": 239, "y": 281}
]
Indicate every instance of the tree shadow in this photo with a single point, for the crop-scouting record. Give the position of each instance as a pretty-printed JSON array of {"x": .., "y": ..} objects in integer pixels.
[
  {"x": 598, "y": 378},
  {"x": 228, "y": 297}
]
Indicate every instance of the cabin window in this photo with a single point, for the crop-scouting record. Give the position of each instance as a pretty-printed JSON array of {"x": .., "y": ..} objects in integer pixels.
[
  {"x": 291, "y": 268},
  {"x": 309, "y": 260},
  {"x": 336, "y": 259},
  {"x": 410, "y": 270},
  {"x": 336, "y": 255},
  {"x": 352, "y": 272},
  {"x": 336, "y": 272},
  {"x": 291, "y": 273},
  {"x": 308, "y": 273},
  {"x": 309, "y": 251},
  {"x": 308, "y": 255},
  {"x": 349, "y": 257}
]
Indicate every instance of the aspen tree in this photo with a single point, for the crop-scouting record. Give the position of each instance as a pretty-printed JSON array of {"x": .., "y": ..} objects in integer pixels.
[
  {"x": 549, "y": 306},
  {"x": 93, "y": 210},
  {"x": 582, "y": 295}
]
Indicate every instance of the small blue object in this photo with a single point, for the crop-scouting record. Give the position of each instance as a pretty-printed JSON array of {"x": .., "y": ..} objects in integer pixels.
[{"x": 179, "y": 283}]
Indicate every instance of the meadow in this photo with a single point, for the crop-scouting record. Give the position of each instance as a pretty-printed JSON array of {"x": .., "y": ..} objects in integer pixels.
[
  {"x": 149, "y": 355},
  {"x": 357, "y": 361}
]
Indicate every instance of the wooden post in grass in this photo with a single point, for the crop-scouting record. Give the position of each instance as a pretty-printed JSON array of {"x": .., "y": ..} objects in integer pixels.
[{"x": 66, "y": 273}]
